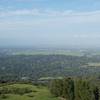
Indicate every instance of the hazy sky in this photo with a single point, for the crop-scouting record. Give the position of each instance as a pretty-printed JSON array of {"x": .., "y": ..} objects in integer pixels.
[{"x": 49, "y": 22}]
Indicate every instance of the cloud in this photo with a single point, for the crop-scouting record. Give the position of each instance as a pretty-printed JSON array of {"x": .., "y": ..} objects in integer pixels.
[
  {"x": 49, "y": 19},
  {"x": 47, "y": 13},
  {"x": 19, "y": 13},
  {"x": 34, "y": 12}
]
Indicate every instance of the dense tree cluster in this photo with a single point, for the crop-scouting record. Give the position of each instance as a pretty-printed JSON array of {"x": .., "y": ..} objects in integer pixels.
[{"x": 74, "y": 89}]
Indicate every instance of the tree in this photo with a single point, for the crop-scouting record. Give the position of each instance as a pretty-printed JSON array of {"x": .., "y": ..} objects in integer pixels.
[
  {"x": 96, "y": 93},
  {"x": 56, "y": 87},
  {"x": 71, "y": 89},
  {"x": 83, "y": 90},
  {"x": 68, "y": 89}
]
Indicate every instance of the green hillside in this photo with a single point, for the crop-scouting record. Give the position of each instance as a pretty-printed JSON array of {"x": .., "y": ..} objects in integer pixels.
[{"x": 37, "y": 93}]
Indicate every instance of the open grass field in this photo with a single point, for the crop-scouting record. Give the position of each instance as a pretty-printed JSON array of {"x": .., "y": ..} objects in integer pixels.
[
  {"x": 94, "y": 64},
  {"x": 60, "y": 52},
  {"x": 38, "y": 93}
]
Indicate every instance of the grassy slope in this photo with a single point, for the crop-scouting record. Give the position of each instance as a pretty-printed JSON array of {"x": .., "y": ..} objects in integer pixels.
[{"x": 39, "y": 93}]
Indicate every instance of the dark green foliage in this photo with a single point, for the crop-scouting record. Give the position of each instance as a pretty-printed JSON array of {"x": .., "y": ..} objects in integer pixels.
[
  {"x": 30, "y": 95},
  {"x": 74, "y": 89},
  {"x": 96, "y": 93},
  {"x": 64, "y": 88},
  {"x": 84, "y": 90},
  {"x": 3, "y": 96},
  {"x": 56, "y": 87},
  {"x": 68, "y": 89}
]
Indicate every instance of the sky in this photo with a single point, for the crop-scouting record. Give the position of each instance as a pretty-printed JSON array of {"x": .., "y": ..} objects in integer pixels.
[{"x": 50, "y": 23}]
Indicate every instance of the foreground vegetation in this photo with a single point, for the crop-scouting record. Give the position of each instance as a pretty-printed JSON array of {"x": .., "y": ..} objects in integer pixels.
[
  {"x": 25, "y": 92},
  {"x": 57, "y": 89},
  {"x": 74, "y": 89}
]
